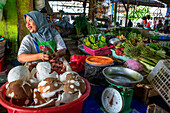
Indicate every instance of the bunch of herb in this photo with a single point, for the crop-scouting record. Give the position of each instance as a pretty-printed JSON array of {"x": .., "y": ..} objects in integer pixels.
[
  {"x": 81, "y": 24},
  {"x": 131, "y": 50},
  {"x": 92, "y": 29}
]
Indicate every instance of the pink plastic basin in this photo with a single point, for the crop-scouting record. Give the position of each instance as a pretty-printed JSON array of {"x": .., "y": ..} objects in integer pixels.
[{"x": 72, "y": 107}]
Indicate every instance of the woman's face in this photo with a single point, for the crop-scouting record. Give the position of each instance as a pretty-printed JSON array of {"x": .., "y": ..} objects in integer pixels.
[{"x": 30, "y": 24}]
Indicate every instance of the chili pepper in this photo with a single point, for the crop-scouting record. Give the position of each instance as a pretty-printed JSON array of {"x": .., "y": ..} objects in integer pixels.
[{"x": 119, "y": 52}]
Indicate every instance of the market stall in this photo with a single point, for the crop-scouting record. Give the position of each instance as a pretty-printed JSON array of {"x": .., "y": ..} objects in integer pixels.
[{"x": 105, "y": 67}]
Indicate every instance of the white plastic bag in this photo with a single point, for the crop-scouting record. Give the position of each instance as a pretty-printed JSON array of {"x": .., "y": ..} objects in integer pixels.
[
  {"x": 39, "y": 4},
  {"x": 65, "y": 63},
  {"x": 2, "y": 4}
]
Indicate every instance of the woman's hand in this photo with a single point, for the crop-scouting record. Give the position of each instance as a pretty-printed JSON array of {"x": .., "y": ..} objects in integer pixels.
[
  {"x": 43, "y": 57},
  {"x": 55, "y": 56}
]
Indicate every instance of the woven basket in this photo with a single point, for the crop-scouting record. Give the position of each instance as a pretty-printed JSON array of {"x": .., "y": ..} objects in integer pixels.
[{"x": 153, "y": 108}]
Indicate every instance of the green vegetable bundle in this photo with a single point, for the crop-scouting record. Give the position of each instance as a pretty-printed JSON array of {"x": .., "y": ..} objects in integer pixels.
[
  {"x": 143, "y": 52},
  {"x": 84, "y": 27},
  {"x": 81, "y": 24}
]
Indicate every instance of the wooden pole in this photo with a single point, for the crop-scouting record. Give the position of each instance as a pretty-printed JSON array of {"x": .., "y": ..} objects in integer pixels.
[
  {"x": 23, "y": 7},
  {"x": 126, "y": 17},
  {"x": 92, "y": 4},
  {"x": 115, "y": 12},
  {"x": 84, "y": 6},
  {"x": 90, "y": 9}
]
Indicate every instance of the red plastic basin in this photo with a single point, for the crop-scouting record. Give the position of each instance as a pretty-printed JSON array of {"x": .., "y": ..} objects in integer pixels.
[{"x": 72, "y": 107}]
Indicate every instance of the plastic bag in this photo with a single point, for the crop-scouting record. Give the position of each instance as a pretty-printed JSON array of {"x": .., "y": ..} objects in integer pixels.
[
  {"x": 68, "y": 68},
  {"x": 77, "y": 63},
  {"x": 2, "y": 4},
  {"x": 134, "y": 65},
  {"x": 39, "y": 4},
  {"x": 64, "y": 24}
]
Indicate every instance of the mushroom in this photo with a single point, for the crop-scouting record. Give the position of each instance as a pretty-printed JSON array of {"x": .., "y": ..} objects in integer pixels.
[
  {"x": 48, "y": 89},
  {"x": 50, "y": 85},
  {"x": 19, "y": 73},
  {"x": 19, "y": 92},
  {"x": 74, "y": 83},
  {"x": 43, "y": 71}
]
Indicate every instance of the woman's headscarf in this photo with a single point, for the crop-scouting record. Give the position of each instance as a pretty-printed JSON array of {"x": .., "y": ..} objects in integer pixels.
[{"x": 44, "y": 33}]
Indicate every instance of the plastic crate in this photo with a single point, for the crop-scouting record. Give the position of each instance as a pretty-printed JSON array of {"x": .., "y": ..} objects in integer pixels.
[
  {"x": 2, "y": 62},
  {"x": 159, "y": 78},
  {"x": 98, "y": 52}
]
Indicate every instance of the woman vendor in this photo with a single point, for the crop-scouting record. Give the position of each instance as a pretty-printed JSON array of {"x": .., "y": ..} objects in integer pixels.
[{"x": 41, "y": 42}]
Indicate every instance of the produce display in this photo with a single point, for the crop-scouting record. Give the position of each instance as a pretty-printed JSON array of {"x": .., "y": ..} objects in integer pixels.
[
  {"x": 159, "y": 36},
  {"x": 100, "y": 11},
  {"x": 120, "y": 31},
  {"x": 95, "y": 42},
  {"x": 40, "y": 88},
  {"x": 135, "y": 48}
]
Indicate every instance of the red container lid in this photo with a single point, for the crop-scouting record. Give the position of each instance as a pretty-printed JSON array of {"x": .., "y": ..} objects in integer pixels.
[{"x": 99, "y": 60}]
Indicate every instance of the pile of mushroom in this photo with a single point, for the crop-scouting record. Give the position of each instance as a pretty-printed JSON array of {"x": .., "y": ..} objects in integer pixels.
[{"x": 46, "y": 88}]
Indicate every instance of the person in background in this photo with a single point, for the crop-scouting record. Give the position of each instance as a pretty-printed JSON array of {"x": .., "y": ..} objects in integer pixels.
[
  {"x": 148, "y": 25},
  {"x": 138, "y": 25},
  {"x": 130, "y": 24},
  {"x": 41, "y": 41},
  {"x": 144, "y": 22},
  {"x": 159, "y": 26},
  {"x": 148, "y": 17},
  {"x": 154, "y": 26},
  {"x": 166, "y": 27},
  {"x": 117, "y": 24}
]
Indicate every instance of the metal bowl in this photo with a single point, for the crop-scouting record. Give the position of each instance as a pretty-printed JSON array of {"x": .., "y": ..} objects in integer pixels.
[
  {"x": 122, "y": 76},
  {"x": 114, "y": 40}
]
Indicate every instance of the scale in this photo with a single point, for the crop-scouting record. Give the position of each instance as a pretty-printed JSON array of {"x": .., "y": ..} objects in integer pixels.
[{"x": 117, "y": 97}]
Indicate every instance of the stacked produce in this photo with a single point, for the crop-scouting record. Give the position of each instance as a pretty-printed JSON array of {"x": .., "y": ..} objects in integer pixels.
[
  {"x": 95, "y": 42},
  {"x": 100, "y": 11},
  {"x": 135, "y": 48}
]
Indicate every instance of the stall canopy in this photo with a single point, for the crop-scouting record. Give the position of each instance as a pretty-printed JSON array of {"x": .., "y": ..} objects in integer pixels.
[{"x": 154, "y": 3}]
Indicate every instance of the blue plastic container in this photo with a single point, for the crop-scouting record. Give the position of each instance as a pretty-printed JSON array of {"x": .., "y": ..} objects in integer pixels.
[{"x": 124, "y": 58}]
